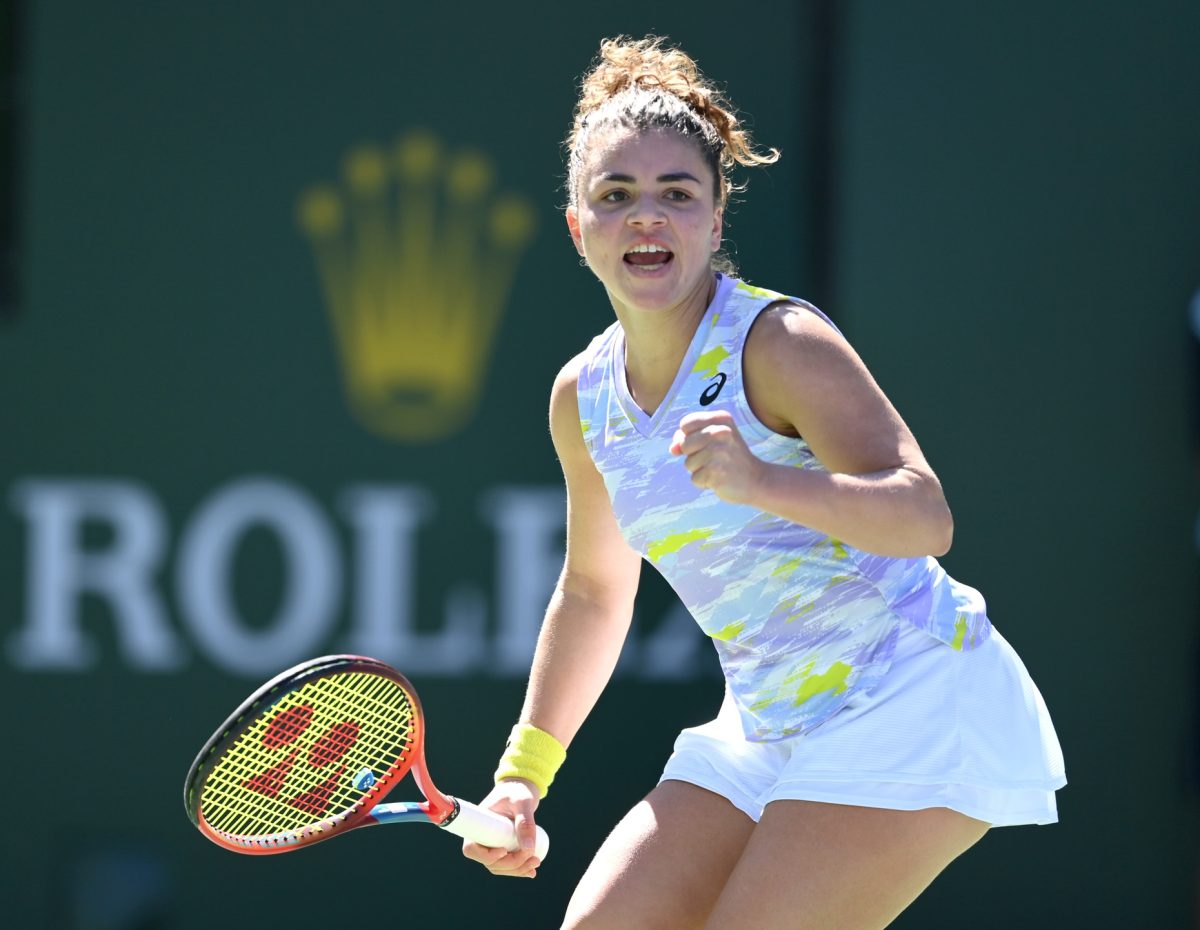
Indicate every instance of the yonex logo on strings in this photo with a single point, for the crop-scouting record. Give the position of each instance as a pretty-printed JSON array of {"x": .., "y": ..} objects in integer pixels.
[
  {"x": 711, "y": 392},
  {"x": 284, "y": 730}
]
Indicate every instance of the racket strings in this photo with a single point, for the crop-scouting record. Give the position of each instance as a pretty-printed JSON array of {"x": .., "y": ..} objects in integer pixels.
[
  {"x": 308, "y": 794},
  {"x": 303, "y": 761}
]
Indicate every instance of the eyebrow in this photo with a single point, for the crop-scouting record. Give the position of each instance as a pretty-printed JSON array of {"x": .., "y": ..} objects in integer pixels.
[{"x": 662, "y": 178}]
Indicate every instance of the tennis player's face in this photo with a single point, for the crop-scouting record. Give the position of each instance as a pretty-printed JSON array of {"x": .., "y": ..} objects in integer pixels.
[{"x": 645, "y": 219}]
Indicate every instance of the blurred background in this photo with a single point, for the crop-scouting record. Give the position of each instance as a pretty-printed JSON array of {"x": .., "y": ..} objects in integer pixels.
[{"x": 284, "y": 288}]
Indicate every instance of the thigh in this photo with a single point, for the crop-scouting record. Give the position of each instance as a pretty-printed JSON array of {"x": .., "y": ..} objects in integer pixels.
[
  {"x": 838, "y": 867},
  {"x": 664, "y": 864}
]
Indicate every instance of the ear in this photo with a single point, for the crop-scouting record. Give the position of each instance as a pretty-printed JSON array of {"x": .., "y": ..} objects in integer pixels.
[
  {"x": 718, "y": 228},
  {"x": 573, "y": 226}
]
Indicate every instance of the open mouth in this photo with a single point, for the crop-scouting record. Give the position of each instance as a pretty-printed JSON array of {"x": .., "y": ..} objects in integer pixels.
[{"x": 648, "y": 257}]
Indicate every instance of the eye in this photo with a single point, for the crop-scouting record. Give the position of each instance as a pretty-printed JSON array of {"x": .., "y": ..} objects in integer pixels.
[
  {"x": 615, "y": 196},
  {"x": 677, "y": 195}
]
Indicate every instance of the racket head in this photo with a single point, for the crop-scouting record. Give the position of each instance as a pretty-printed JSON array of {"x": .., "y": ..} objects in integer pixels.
[{"x": 306, "y": 756}]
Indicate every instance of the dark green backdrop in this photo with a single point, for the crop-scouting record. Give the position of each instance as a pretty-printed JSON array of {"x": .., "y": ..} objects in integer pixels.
[{"x": 195, "y": 493}]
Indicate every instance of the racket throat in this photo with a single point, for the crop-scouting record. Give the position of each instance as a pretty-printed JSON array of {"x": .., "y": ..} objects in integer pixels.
[
  {"x": 401, "y": 812},
  {"x": 441, "y": 808},
  {"x": 441, "y": 815}
]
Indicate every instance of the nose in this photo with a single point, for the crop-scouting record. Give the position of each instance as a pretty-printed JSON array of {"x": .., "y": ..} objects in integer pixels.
[{"x": 646, "y": 213}]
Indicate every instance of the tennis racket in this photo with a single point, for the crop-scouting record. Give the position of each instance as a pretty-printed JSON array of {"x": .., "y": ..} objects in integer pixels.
[{"x": 310, "y": 755}]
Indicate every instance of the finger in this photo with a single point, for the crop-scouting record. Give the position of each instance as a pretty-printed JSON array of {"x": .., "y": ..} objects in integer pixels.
[
  {"x": 526, "y": 830},
  {"x": 695, "y": 424},
  {"x": 684, "y": 441},
  {"x": 485, "y": 855},
  {"x": 700, "y": 448},
  {"x": 692, "y": 423},
  {"x": 714, "y": 436},
  {"x": 519, "y": 864},
  {"x": 702, "y": 418},
  {"x": 697, "y": 460},
  {"x": 688, "y": 443},
  {"x": 697, "y": 478}
]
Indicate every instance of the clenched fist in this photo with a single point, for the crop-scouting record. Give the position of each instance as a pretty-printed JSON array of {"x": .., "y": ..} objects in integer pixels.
[{"x": 717, "y": 456}]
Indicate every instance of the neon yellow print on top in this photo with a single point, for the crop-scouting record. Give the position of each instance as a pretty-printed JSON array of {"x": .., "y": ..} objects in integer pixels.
[
  {"x": 960, "y": 633},
  {"x": 788, "y": 568},
  {"x": 759, "y": 291},
  {"x": 669, "y": 545},
  {"x": 832, "y": 680},
  {"x": 708, "y": 363},
  {"x": 727, "y": 633}
]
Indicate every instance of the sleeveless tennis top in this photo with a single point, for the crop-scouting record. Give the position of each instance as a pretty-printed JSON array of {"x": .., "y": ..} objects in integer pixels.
[{"x": 801, "y": 621}]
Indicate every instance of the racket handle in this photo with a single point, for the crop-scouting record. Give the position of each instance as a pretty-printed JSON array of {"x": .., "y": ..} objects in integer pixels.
[{"x": 491, "y": 829}]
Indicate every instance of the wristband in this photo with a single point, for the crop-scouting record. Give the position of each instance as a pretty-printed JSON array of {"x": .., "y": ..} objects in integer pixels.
[{"x": 531, "y": 754}]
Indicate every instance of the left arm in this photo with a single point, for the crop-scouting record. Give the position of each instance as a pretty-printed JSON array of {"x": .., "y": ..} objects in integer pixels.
[{"x": 802, "y": 378}]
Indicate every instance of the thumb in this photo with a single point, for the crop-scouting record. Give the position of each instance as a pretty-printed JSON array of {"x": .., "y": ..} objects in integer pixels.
[{"x": 526, "y": 828}]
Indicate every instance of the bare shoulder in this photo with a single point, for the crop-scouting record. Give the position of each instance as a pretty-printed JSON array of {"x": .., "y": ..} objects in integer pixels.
[
  {"x": 789, "y": 326},
  {"x": 565, "y": 428},
  {"x": 795, "y": 360},
  {"x": 793, "y": 341},
  {"x": 564, "y": 394}
]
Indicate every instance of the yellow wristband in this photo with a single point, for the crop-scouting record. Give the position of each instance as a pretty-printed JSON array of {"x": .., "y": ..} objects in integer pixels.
[{"x": 531, "y": 754}]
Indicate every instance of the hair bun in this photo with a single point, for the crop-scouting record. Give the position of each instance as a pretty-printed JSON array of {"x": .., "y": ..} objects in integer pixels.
[
  {"x": 645, "y": 84},
  {"x": 651, "y": 65}
]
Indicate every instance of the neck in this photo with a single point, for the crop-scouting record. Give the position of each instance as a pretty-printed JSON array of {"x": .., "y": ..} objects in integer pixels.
[{"x": 656, "y": 342}]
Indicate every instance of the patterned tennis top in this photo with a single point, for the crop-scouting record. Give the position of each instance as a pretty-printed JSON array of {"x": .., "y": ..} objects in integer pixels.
[{"x": 801, "y": 621}]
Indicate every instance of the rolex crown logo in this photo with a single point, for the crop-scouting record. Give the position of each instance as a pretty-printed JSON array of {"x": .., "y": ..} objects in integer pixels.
[{"x": 416, "y": 253}]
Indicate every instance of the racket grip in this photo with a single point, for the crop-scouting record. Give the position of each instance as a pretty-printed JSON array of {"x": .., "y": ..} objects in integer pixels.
[{"x": 488, "y": 828}]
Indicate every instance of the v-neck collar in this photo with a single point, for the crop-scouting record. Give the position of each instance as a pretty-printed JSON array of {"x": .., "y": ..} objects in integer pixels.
[{"x": 648, "y": 423}]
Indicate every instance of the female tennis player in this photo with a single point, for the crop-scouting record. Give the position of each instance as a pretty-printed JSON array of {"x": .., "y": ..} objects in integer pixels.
[{"x": 874, "y": 724}]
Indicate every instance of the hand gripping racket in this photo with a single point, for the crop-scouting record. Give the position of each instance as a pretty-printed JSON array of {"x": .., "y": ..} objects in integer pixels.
[{"x": 310, "y": 755}]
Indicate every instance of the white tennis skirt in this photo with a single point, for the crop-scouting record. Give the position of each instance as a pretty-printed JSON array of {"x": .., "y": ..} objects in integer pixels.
[{"x": 963, "y": 730}]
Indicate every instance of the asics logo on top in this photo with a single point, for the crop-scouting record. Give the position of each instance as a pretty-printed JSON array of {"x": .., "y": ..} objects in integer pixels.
[{"x": 711, "y": 392}]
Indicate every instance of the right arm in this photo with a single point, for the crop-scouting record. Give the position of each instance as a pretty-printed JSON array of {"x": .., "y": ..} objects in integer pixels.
[
  {"x": 592, "y": 605},
  {"x": 585, "y": 624}
]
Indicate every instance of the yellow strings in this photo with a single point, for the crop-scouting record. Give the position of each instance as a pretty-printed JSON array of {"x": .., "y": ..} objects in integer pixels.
[{"x": 384, "y": 716}]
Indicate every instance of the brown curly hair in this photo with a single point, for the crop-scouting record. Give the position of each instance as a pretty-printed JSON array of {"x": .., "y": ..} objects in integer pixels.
[{"x": 644, "y": 84}]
